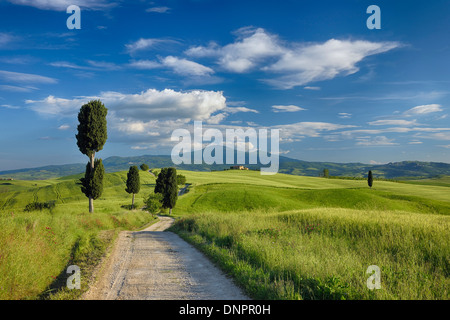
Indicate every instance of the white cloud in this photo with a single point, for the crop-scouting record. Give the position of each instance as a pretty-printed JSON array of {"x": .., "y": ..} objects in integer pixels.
[
  {"x": 186, "y": 67},
  {"x": 6, "y": 39},
  {"x": 143, "y": 106},
  {"x": 64, "y": 127},
  {"x": 323, "y": 61},
  {"x": 312, "y": 88},
  {"x": 415, "y": 142},
  {"x": 240, "y": 109},
  {"x": 216, "y": 119},
  {"x": 377, "y": 141},
  {"x": 5, "y": 87},
  {"x": 70, "y": 65},
  {"x": 144, "y": 64},
  {"x": 289, "y": 108},
  {"x": 423, "y": 109},
  {"x": 436, "y": 136},
  {"x": 294, "y": 64},
  {"x": 25, "y": 77},
  {"x": 309, "y": 129},
  {"x": 61, "y": 5},
  {"x": 8, "y": 106},
  {"x": 393, "y": 123},
  {"x": 252, "y": 47},
  {"x": 103, "y": 65},
  {"x": 158, "y": 9},
  {"x": 146, "y": 44},
  {"x": 344, "y": 115}
]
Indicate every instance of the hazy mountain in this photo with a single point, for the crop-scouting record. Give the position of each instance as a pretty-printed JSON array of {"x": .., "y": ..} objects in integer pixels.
[{"x": 397, "y": 170}]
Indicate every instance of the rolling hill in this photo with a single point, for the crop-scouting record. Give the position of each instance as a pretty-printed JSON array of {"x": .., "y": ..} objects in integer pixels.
[{"x": 396, "y": 170}]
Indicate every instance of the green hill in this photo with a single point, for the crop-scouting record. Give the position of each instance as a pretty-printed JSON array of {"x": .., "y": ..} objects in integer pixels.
[
  {"x": 397, "y": 170},
  {"x": 280, "y": 236}
]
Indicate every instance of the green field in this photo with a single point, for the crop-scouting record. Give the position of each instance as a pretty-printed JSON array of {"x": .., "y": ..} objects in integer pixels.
[
  {"x": 280, "y": 237},
  {"x": 289, "y": 237},
  {"x": 37, "y": 247}
]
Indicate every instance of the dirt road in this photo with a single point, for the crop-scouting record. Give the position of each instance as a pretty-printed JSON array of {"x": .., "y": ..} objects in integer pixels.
[{"x": 156, "y": 265}]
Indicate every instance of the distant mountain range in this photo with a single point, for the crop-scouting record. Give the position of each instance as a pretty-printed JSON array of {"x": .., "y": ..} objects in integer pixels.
[{"x": 396, "y": 170}]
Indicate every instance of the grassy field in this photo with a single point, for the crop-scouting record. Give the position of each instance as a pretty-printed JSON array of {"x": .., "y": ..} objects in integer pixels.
[
  {"x": 37, "y": 247},
  {"x": 288, "y": 237},
  {"x": 280, "y": 237}
]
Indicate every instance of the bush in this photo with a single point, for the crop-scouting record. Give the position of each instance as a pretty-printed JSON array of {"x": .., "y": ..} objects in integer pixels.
[
  {"x": 144, "y": 167},
  {"x": 34, "y": 206},
  {"x": 153, "y": 203},
  {"x": 181, "y": 180}
]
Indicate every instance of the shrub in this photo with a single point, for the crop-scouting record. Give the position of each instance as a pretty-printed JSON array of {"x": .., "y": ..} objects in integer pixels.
[
  {"x": 153, "y": 203},
  {"x": 181, "y": 180},
  {"x": 34, "y": 206}
]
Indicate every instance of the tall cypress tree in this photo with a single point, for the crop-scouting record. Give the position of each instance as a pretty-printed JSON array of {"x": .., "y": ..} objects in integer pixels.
[
  {"x": 171, "y": 189},
  {"x": 167, "y": 185},
  {"x": 133, "y": 182},
  {"x": 160, "y": 181},
  {"x": 370, "y": 179},
  {"x": 91, "y": 137}
]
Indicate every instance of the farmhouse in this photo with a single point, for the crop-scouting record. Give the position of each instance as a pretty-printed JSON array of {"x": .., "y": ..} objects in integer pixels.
[{"x": 238, "y": 168}]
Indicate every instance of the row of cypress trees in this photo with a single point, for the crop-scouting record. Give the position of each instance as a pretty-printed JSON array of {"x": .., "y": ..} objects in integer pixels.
[
  {"x": 91, "y": 137},
  {"x": 166, "y": 185}
]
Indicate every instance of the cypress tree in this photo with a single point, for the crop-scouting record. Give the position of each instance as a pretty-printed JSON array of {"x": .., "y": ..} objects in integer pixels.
[
  {"x": 170, "y": 195},
  {"x": 133, "y": 182},
  {"x": 160, "y": 181},
  {"x": 167, "y": 185},
  {"x": 370, "y": 179},
  {"x": 92, "y": 183},
  {"x": 91, "y": 137}
]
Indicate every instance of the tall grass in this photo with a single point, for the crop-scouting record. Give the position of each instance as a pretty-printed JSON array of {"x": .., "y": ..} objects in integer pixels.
[
  {"x": 36, "y": 247},
  {"x": 287, "y": 237},
  {"x": 323, "y": 253}
]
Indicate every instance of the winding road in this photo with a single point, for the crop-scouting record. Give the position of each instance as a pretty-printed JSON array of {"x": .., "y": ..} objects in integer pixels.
[{"x": 154, "y": 264}]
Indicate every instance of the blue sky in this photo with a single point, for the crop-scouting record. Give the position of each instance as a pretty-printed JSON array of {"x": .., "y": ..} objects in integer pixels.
[{"x": 336, "y": 90}]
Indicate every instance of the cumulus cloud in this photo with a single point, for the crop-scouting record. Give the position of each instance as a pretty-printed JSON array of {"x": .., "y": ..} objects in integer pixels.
[
  {"x": 146, "y": 105},
  {"x": 289, "y": 108},
  {"x": 323, "y": 61},
  {"x": 251, "y": 48},
  {"x": 294, "y": 64}
]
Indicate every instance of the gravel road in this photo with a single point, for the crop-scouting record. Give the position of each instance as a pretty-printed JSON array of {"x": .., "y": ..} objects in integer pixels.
[{"x": 156, "y": 265}]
